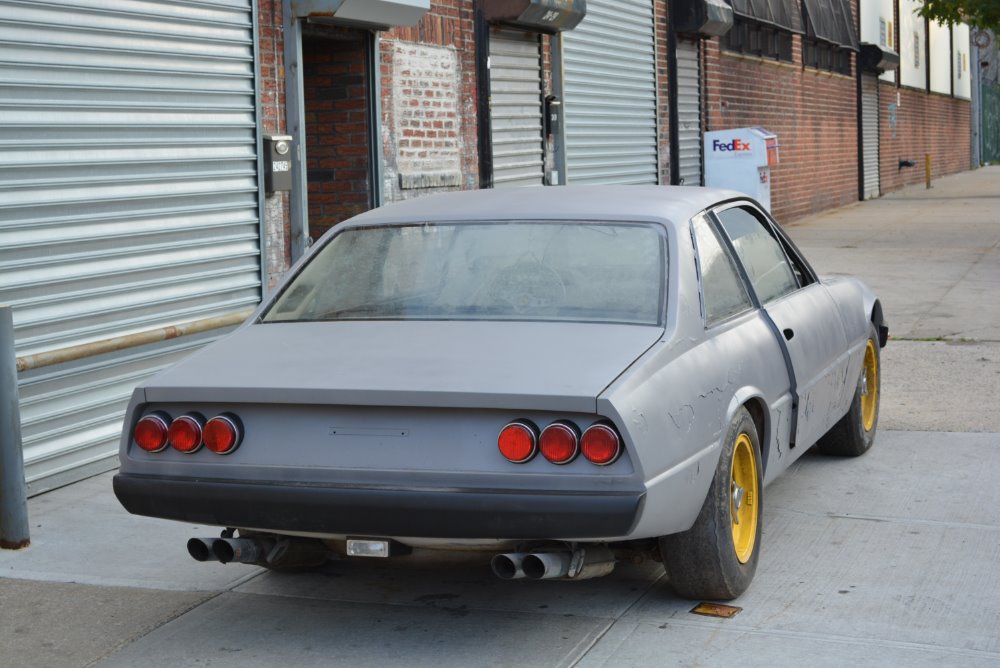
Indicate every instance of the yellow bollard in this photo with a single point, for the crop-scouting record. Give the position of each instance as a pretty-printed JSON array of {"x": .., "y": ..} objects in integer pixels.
[{"x": 927, "y": 169}]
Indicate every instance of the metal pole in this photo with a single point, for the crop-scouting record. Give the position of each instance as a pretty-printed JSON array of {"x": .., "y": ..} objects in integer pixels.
[
  {"x": 13, "y": 490},
  {"x": 84, "y": 350},
  {"x": 927, "y": 169}
]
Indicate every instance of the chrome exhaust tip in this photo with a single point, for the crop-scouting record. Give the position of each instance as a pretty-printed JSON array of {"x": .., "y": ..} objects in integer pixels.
[
  {"x": 201, "y": 549},
  {"x": 242, "y": 550},
  {"x": 547, "y": 565},
  {"x": 508, "y": 566}
]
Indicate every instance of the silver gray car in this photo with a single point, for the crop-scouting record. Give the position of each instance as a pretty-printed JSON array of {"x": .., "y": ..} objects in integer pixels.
[{"x": 560, "y": 377}]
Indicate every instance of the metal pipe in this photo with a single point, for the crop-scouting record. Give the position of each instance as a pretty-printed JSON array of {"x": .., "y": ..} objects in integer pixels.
[
  {"x": 927, "y": 169},
  {"x": 547, "y": 565},
  {"x": 243, "y": 550},
  {"x": 14, "y": 533},
  {"x": 73, "y": 353},
  {"x": 593, "y": 561},
  {"x": 201, "y": 549},
  {"x": 508, "y": 566}
]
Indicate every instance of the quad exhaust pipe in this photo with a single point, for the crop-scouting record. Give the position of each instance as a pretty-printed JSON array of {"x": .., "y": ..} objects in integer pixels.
[
  {"x": 261, "y": 550},
  {"x": 580, "y": 564}
]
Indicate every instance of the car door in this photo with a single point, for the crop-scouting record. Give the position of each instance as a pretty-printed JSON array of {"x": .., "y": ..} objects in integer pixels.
[{"x": 803, "y": 311}]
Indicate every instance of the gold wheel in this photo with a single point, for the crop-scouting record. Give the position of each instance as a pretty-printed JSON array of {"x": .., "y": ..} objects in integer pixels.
[
  {"x": 869, "y": 387},
  {"x": 717, "y": 557},
  {"x": 743, "y": 498}
]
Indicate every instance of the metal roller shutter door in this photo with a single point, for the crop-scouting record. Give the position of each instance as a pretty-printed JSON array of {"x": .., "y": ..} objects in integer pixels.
[
  {"x": 128, "y": 200},
  {"x": 689, "y": 112},
  {"x": 609, "y": 64},
  {"x": 516, "y": 108},
  {"x": 869, "y": 135}
]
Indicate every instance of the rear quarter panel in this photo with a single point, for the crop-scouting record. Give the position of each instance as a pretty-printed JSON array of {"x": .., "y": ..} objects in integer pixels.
[{"x": 676, "y": 403}]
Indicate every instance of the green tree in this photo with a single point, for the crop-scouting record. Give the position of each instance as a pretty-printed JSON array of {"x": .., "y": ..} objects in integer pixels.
[{"x": 983, "y": 14}]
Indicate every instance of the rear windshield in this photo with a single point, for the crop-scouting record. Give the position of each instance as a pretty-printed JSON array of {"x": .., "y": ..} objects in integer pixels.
[{"x": 605, "y": 272}]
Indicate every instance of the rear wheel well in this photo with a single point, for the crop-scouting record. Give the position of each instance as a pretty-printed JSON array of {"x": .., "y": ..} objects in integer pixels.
[
  {"x": 878, "y": 319},
  {"x": 758, "y": 412}
]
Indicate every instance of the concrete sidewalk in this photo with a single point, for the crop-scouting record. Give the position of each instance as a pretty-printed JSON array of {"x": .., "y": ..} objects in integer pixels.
[
  {"x": 889, "y": 559},
  {"x": 933, "y": 258}
]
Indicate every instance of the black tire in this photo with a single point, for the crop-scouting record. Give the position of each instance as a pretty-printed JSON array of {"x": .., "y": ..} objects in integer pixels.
[
  {"x": 717, "y": 558},
  {"x": 854, "y": 434}
]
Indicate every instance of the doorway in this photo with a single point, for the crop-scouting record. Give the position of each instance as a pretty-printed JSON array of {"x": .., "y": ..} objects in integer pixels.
[{"x": 338, "y": 106}]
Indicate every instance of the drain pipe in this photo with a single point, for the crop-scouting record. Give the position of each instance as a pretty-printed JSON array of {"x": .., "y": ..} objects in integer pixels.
[{"x": 13, "y": 490}]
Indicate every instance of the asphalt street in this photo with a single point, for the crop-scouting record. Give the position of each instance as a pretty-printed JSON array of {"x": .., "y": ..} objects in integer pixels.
[{"x": 889, "y": 559}]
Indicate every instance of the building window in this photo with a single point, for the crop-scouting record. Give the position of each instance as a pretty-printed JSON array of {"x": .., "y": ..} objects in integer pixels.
[
  {"x": 829, "y": 38},
  {"x": 916, "y": 49},
  {"x": 825, "y": 56},
  {"x": 757, "y": 39},
  {"x": 882, "y": 32}
]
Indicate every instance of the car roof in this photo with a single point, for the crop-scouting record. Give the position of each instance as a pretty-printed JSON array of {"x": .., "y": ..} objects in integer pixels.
[{"x": 662, "y": 204}]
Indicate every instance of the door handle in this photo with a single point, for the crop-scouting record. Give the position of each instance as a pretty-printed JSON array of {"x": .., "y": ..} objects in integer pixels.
[{"x": 787, "y": 331}]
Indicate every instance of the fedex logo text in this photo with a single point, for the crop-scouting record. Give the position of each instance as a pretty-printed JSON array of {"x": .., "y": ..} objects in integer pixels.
[{"x": 734, "y": 145}]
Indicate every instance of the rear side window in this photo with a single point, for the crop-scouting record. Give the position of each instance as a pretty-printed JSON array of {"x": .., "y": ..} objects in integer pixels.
[
  {"x": 722, "y": 290},
  {"x": 761, "y": 253}
]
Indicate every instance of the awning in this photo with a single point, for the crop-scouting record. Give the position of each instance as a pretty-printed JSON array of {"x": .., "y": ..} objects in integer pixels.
[
  {"x": 547, "y": 16},
  {"x": 711, "y": 18},
  {"x": 779, "y": 13},
  {"x": 379, "y": 14},
  {"x": 830, "y": 21},
  {"x": 875, "y": 58}
]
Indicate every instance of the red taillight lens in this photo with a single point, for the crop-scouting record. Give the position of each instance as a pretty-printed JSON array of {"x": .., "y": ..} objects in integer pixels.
[
  {"x": 222, "y": 434},
  {"x": 185, "y": 433},
  {"x": 150, "y": 433},
  {"x": 600, "y": 444},
  {"x": 559, "y": 442},
  {"x": 518, "y": 442}
]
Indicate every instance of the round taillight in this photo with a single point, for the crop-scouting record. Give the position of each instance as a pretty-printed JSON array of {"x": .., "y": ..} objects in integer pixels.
[
  {"x": 185, "y": 433},
  {"x": 150, "y": 432},
  {"x": 518, "y": 441},
  {"x": 559, "y": 443},
  {"x": 600, "y": 444},
  {"x": 222, "y": 434}
]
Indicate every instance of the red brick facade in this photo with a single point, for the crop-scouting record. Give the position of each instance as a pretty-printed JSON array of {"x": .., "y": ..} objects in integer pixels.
[
  {"x": 271, "y": 64},
  {"x": 813, "y": 113},
  {"x": 921, "y": 124},
  {"x": 428, "y": 131},
  {"x": 336, "y": 121},
  {"x": 429, "y": 105}
]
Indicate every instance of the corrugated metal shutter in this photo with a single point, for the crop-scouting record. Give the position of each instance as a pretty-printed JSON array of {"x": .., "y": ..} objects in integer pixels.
[
  {"x": 128, "y": 200},
  {"x": 516, "y": 108},
  {"x": 869, "y": 134},
  {"x": 689, "y": 112},
  {"x": 609, "y": 64}
]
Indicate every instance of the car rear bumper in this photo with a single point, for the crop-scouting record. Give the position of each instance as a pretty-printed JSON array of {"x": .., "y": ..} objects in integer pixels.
[{"x": 389, "y": 512}]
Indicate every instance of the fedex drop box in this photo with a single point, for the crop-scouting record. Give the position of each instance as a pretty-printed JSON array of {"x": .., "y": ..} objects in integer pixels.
[{"x": 741, "y": 159}]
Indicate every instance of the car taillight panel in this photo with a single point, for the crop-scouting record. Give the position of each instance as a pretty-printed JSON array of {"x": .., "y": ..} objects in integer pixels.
[
  {"x": 155, "y": 431},
  {"x": 560, "y": 442},
  {"x": 150, "y": 432},
  {"x": 223, "y": 433},
  {"x": 185, "y": 433},
  {"x": 518, "y": 441},
  {"x": 600, "y": 444}
]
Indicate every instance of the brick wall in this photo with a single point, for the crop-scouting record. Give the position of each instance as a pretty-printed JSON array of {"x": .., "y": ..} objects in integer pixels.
[
  {"x": 814, "y": 114},
  {"x": 428, "y": 81},
  {"x": 921, "y": 123},
  {"x": 660, "y": 10},
  {"x": 336, "y": 121},
  {"x": 277, "y": 234}
]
